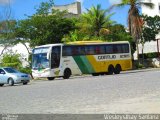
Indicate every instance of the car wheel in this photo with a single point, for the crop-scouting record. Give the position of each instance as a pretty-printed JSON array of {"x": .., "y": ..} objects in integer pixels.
[
  {"x": 25, "y": 83},
  {"x": 1, "y": 85},
  {"x": 11, "y": 81}
]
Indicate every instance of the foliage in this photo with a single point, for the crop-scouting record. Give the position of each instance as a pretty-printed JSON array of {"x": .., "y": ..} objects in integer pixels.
[
  {"x": 151, "y": 27},
  {"x": 135, "y": 22},
  {"x": 7, "y": 32},
  {"x": 44, "y": 8},
  {"x": 149, "y": 55},
  {"x": 11, "y": 60},
  {"x": 139, "y": 65},
  {"x": 118, "y": 33},
  {"x": 40, "y": 30},
  {"x": 95, "y": 19},
  {"x": 26, "y": 70}
]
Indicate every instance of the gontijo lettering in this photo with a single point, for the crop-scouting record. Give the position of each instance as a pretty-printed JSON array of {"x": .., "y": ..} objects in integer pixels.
[{"x": 104, "y": 57}]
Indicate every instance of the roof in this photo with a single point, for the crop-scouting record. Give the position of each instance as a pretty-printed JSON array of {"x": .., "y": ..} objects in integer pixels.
[
  {"x": 93, "y": 42},
  {"x": 82, "y": 43}
]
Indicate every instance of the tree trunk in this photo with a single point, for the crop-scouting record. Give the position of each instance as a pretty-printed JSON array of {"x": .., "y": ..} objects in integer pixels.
[
  {"x": 28, "y": 56},
  {"x": 137, "y": 52},
  {"x": 142, "y": 53},
  {"x": 3, "y": 50}
]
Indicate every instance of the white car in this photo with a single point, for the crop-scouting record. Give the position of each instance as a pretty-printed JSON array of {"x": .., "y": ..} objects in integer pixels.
[{"x": 11, "y": 76}]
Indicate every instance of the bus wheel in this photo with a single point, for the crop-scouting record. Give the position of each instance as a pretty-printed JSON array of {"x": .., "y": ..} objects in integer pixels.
[
  {"x": 50, "y": 78},
  {"x": 95, "y": 74},
  {"x": 110, "y": 70},
  {"x": 67, "y": 73},
  {"x": 117, "y": 69}
]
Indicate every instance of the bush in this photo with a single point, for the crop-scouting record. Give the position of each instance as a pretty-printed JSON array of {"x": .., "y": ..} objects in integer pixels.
[
  {"x": 25, "y": 70},
  {"x": 149, "y": 55},
  {"x": 11, "y": 60},
  {"x": 139, "y": 65}
]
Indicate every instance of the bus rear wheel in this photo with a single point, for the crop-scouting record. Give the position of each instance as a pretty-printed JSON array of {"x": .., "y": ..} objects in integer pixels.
[
  {"x": 50, "y": 78},
  {"x": 95, "y": 74},
  {"x": 117, "y": 69},
  {"x": 110, "y": 70},
  {"x": 67, "y": 73}
]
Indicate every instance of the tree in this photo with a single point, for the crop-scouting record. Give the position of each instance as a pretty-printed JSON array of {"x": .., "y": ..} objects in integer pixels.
[
  {"x": 6, "y": 28},
  {"x": 118, "y": 33},
  {"x": 95, "y": 19},
  {"x": 43, "y": 27},
  {"x": 44, "y": 8},
  {"x": 151, "y": 27},
  {"x": 135, "y": 22}
]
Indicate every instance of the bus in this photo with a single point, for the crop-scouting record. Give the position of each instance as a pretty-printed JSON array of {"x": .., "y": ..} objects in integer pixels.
[{"x": 83, "y": 57}]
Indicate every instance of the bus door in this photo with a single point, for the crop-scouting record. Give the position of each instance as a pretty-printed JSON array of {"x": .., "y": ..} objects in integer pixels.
[{"x": 55, "y": 56}]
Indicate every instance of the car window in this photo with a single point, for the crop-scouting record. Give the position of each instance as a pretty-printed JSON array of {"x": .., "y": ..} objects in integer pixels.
[
  {"x": 11, "y": 70},
  {"x": 2, "y": 71}
]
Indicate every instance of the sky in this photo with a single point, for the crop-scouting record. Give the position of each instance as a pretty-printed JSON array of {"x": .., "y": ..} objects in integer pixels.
[{"x": 20, "y": 9}]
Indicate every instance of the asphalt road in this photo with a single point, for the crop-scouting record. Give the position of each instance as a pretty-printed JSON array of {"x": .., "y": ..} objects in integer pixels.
[{"x": 128, "y": 92}]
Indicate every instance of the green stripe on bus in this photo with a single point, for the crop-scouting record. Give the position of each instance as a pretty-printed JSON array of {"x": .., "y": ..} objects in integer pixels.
[{"x": 84, "y": 64}]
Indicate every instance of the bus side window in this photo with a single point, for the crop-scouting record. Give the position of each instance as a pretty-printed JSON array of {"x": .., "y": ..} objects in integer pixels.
[
  {"x": 81, "y": 50},
  {"x": 125, "y": 48},
  {"x": 55, "y": 56},
  {"x": 74, "y": 51},
  {"x": 109, "y": 49},
  {"x": 100, "y": 49},
  {"x": 119, "y": 48},
  {"x": 67, "y": 51},
  {"x": 90, "y": 50}
]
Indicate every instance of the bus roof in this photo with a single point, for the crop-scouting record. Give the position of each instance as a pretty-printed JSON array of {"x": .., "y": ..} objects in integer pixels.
[
  {"x": 49, "y": 45},
  {"x": 93, "y": 42},
  {"x": 82, "y": 43}
]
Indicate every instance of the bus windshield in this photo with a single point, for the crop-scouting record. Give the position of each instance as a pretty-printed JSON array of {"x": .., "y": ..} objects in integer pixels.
[{"x": 39, "y": 59}]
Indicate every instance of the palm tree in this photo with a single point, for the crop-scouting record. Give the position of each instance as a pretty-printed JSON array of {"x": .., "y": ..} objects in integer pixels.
[
  {"x": 135, "y": 22},
  {"x": 96, "y": 19}
]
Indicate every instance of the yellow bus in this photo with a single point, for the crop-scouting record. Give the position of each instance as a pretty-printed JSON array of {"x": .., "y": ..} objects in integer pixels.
[{"x": 77, "y": 58}]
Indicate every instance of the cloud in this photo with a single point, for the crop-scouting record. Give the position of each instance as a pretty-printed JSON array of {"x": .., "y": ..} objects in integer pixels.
[
  {"x": 5, "y": 2},
  {"x": 115, "y": 1}
]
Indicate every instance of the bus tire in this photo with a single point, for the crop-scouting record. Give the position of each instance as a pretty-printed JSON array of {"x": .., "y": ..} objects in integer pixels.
[
  {"x": 95, "y": 74},
  {"x": 50, "y": 78},
  {"x": 67, "y": 73},
  {"x": 110, "y": 70},
  {"x": 117, "y": 69}
]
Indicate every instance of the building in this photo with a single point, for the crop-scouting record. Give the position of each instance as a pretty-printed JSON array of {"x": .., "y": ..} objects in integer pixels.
[
  {"x": 74, "y": 9},
  {"x": 151, "y": 12}
]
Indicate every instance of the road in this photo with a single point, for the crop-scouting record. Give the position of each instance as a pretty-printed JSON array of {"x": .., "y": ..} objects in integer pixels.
[{"x": 128, "y": 92}]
